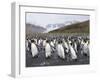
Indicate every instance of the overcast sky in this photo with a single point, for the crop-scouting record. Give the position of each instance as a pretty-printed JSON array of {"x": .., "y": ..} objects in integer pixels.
[{"x": 42, "y": 19}]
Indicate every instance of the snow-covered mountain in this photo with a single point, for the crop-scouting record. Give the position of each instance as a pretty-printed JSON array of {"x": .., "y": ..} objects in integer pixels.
[
  {"x": 51, "y": 27},
  {"x": 80, "y": 27}
]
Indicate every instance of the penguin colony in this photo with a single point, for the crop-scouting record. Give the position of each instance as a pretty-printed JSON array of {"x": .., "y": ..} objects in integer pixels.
[{"x": 61, "y": 46}]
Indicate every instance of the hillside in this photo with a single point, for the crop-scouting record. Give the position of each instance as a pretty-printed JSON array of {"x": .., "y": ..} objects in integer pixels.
[
  {"x": 81, "y": 27},
  {"x": 31, "y": 28}
]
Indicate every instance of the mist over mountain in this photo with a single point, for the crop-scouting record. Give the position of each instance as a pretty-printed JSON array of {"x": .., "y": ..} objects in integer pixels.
[{"x": 31, "y": 28}]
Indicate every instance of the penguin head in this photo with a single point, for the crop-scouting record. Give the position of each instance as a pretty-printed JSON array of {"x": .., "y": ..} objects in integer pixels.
[
  {"x": 33, "y": 41},
  {"x": 47, "y": 41}
]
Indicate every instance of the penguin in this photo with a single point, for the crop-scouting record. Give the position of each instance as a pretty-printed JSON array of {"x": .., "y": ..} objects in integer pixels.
[
  {"x": 34, "y": 49},
  {"x": 86, "y": 48},
  {"x": 60, "y": 50},
  {"x": 26, "y": 45},
  {"x": 44, "y": 43},
  {"x": 66, "y": 47},
  {"x": 75, "y": 46},
  {"x": 35, "y": 41},
  {"x": 47, "y": 49},
  {"x": 52, "y": 45},
  {"x": 72, "y": 52}
]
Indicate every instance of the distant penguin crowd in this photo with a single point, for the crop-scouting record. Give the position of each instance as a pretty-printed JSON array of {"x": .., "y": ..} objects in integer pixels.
[{"x": 71, "y": 45}]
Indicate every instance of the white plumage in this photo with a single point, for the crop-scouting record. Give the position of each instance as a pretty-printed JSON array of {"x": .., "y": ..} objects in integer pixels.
[
  {"x": 86, "y": 48},
  {"x": 72, "y": 52},
  {"x": 26, "y": 45},
  {"x": 34, "y": 49},
  {"x": 52, "y": 44},
  {"x": 66, "y": 46},
  {"x": 44, "y": 43},
  {"x": 47, "y": 50},
  {"x": 35, "y": 40},
  {"x": 60, "y": 51},
  {"x": 75, "y": 47},
  {"x": 39, "y": 42}
]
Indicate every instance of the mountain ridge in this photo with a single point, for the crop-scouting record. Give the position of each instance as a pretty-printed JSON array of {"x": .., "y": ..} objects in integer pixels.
[
  {"x": 31, "y": 28},
  {"x": 81, "y": 27}
]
